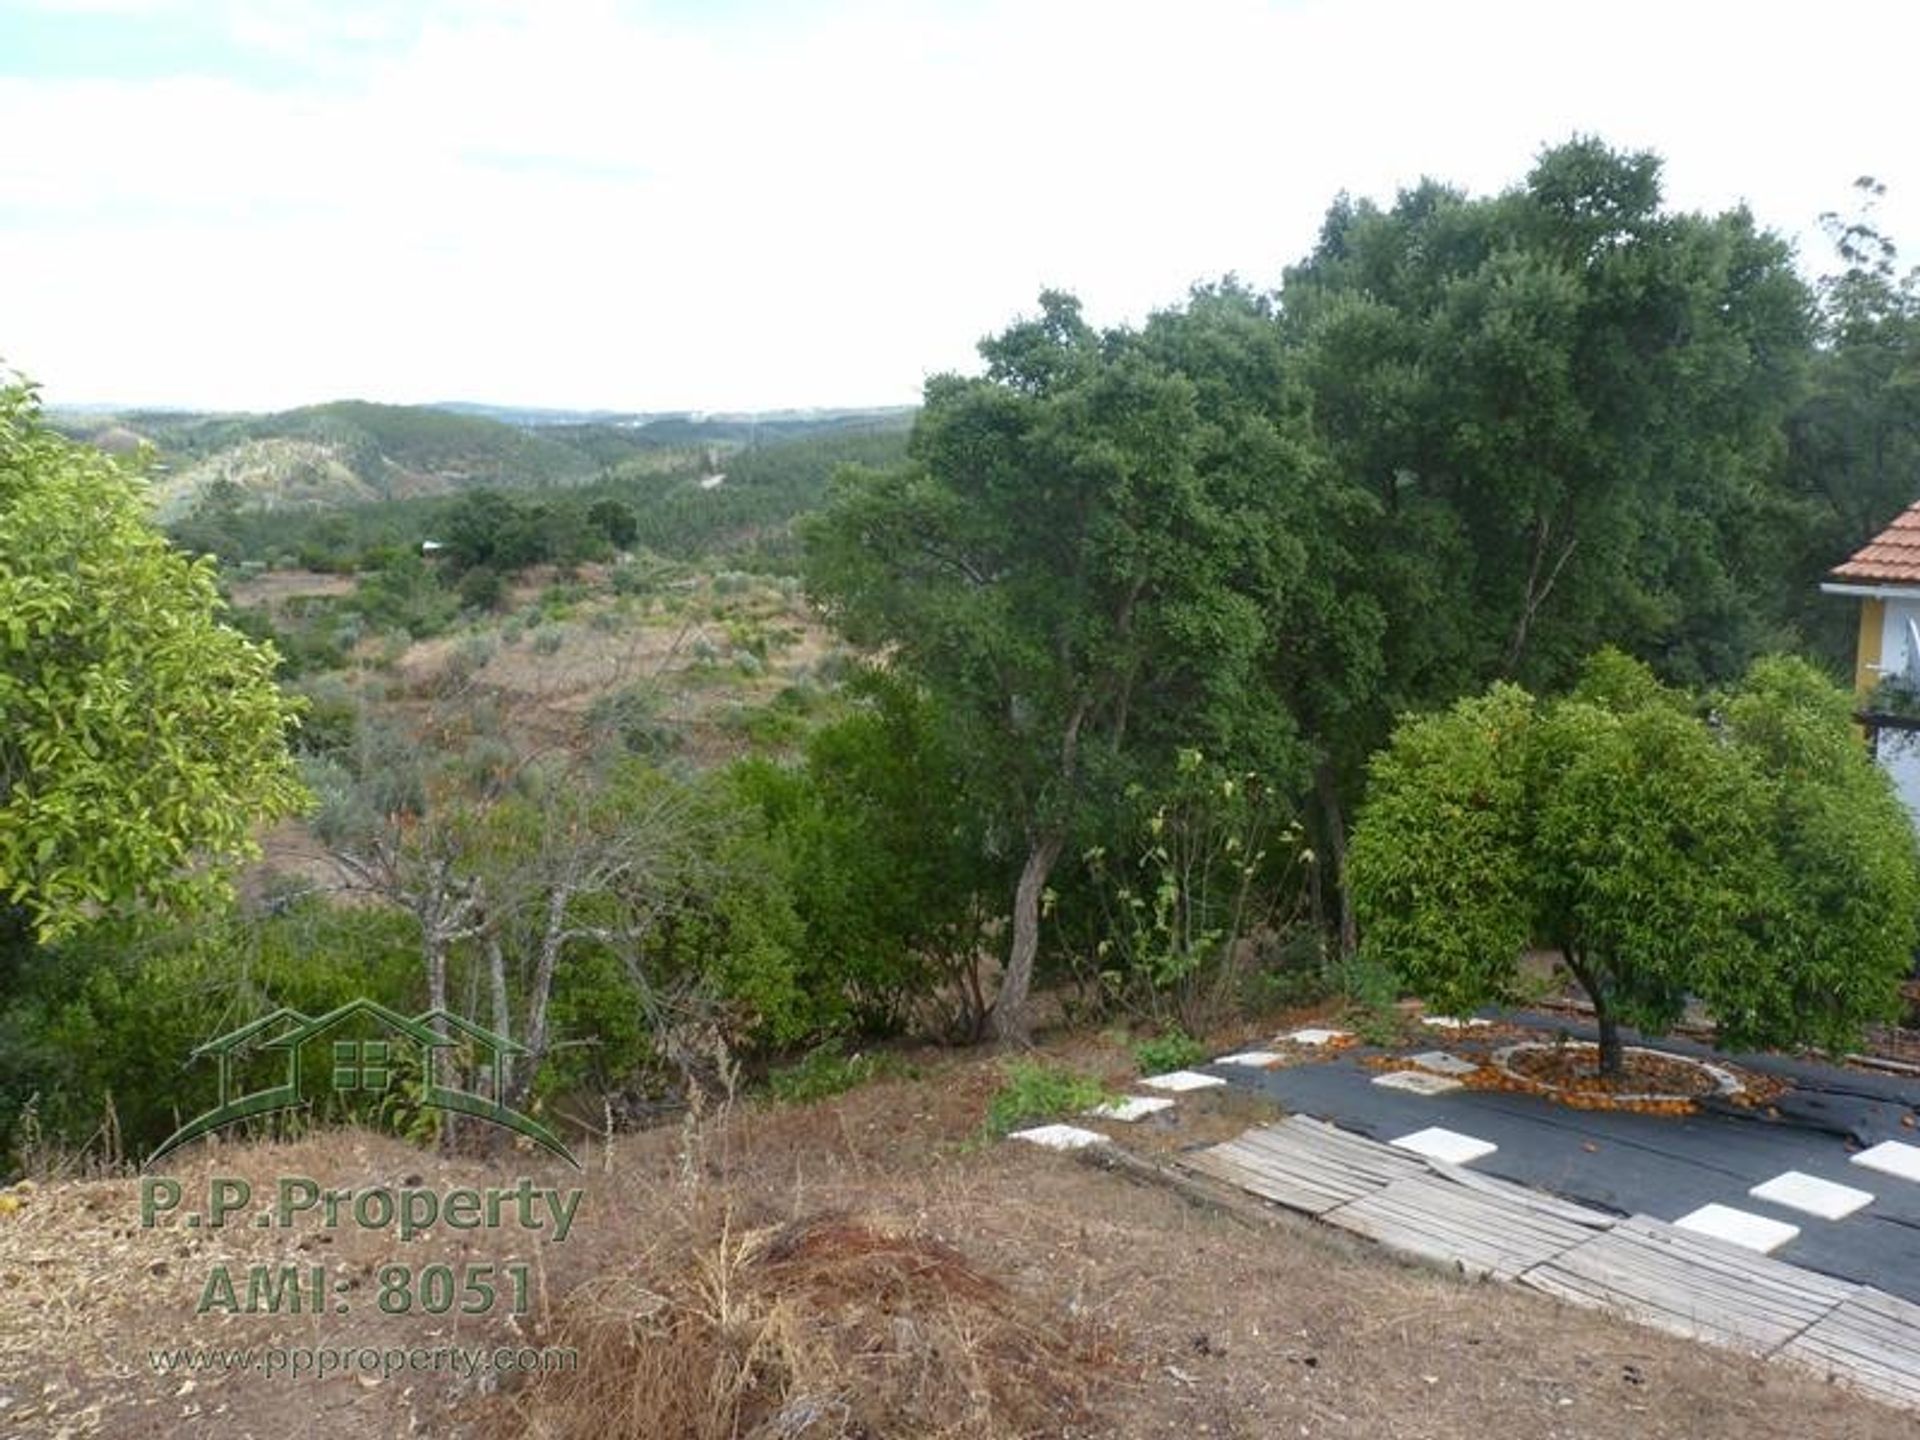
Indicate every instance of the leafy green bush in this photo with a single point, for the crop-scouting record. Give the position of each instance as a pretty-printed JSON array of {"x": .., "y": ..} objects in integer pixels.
[
  {"x": 405, "y": 594},
  {"x": 481, "y": 588},
  {"x": 1173, "y": 914},
  {"x": 630, "y": 720},
  {"x": 331, "y": 719},
  {"x": 115, "y": 1012},
  {"x": 1747, "y": 853},
  {"x": 890, "y": 872},
  {"x": 1172, "y": 1050},
  {"x": 1033, "y": 1092},
  {"x": 823, "y": 1072},
  {"x": 1384, "y": 1026}
]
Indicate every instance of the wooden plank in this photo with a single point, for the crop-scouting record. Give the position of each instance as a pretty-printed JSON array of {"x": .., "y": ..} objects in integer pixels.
[
  {"x": 1627, "y": 1265},
  {"x": 1585, "y": 1216},
  {"x": 1369, "y": 1157},
  {"x": 1690, "y": 1285},
  {"x": 1267, "y": 1184},
  {"x": 1870, "y": 1342},
  {"x": 1720, "y": 1258},
  {"x": 1478, "y": 1232},
  {"x": 1259, "y": 1168},
  {"x": 1305, "y": 1164}
]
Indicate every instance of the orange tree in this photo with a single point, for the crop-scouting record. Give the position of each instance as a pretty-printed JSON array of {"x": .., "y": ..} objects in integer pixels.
[
  {"x": 141, "y": 737},
  {"x": 1749, "y": 854}
]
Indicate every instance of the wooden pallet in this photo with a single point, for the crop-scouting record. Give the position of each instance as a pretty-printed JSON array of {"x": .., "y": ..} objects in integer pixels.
[
  {"x": 1690, "y": 1285},
  {"x": 1479, "y": 1231},
  {"x": 1870, "y": 1342},
  {"x": 1640, "y": 1268},
  {"x": 1305, "y": 1164}
]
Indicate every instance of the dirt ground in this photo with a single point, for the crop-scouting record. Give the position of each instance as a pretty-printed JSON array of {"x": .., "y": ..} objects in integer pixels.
[{"x": 867, "y": 1265}]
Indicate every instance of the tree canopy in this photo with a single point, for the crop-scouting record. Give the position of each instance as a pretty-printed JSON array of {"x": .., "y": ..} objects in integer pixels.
[
  {"x": 1752, "y": 857},
  {"x": 141, "y": 738},
  {"x": 1563, "y": 398},
  {"x": 1084, "y": 562}
]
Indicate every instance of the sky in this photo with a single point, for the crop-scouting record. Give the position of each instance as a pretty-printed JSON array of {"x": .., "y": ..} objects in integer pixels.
[{"x": 724, "y": 205}]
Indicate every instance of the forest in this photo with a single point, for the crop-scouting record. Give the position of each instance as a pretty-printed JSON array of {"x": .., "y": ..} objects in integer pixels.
[{"x": 1148, "y": 675}]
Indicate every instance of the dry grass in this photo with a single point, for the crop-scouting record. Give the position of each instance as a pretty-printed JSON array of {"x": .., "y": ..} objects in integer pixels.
[
  {"x": 864, "y": 1266},
  {"x": 830, "y": 1325}
]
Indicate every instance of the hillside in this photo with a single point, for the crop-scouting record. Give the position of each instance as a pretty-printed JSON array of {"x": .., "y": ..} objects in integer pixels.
[
  {"x": 860, "y": 1265},
  {"x": 354, "y": 452}
]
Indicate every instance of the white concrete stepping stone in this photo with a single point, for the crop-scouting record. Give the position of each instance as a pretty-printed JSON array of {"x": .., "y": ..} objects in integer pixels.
[
  {"x": 1180, "y": 1081},
  {"x": 1260, "y": 1059},
  {"x": 1441, "y": 1063},
  {"x": 1447, "y": 1146},
  {"x": 1131, "y": 1108},
  {"x": 1799, "y": 1191},
  {"x": 1892, "y": 1157},
  {"x": 1420, "y": 1082},
  {"x": 1315, "y": 1037},
  {"x": 1454, "y": 1022},
  {"x": 1738, "y": 1227},
  {"x": 1060, "y": 1137}
]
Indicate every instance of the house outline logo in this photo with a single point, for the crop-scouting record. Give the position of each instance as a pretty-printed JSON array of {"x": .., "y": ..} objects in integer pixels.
[{"x": 360, "y": 1065}]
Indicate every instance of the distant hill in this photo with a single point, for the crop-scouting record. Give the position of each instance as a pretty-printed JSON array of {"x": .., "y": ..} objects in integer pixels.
[{"x": 354, "y": 452}]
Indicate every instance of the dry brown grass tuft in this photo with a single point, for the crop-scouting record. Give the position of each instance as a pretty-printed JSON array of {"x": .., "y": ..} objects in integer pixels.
[{"x": 829, "y": 1325}]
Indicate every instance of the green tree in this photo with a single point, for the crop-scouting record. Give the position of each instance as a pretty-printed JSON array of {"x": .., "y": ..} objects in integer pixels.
[
  {"x": 1759, "y": 862},
  {"x": 1564, "y": 404},
  {"x": 1854, "y": 439},
  {"x": 891, "y": 877},
  {"x": 614, "y": 520},
  {"x": 141, "y": 738},
  {"x": 1085, "y": 570}
]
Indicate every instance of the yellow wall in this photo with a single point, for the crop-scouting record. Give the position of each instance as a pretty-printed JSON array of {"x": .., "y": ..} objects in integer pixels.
[{"x": 1867, "y": 652}]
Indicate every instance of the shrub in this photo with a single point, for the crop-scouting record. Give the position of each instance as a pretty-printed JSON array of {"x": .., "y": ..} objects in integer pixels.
[
  {"x": 1179, "y": 908},
  {"x": 116, "y": 1011},
  {"x": 481, "y": 588},
  {"x": 548, "y": 639},
  {"x": 331, "y": 719},
  {"x": 1753, "y": 857},
  {"x": 1032, "y": 1091},
  {"x": 470, "y": 657},
  {"x": 1173, "y": 1050},
  {"x": 823, "y": 1072},
  {"x": 630, "y": 719}
]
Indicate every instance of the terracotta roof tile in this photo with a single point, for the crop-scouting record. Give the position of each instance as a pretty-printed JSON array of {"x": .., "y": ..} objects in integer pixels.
[{"x": 1892, "y": 557}]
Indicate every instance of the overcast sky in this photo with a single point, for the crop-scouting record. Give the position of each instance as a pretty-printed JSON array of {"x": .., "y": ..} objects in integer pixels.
[{"x": 721, "y": 204}]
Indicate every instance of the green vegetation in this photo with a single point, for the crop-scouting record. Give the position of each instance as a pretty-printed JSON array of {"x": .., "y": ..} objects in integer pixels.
[
  {"x": 140, "y": 736},
  {"x": 1066, "y": 527},
  {"x": 1033, "y": 1092},
  {"x": 823, "y": 1072},
  {"x": 1173, "y": 1050},
  {"x": 1131, "y": 626},
  {"x": 1757, "y": 860}
]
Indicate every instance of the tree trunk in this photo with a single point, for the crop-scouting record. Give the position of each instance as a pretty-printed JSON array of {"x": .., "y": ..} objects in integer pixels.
[
  {"x": 502, "y": 1011},
  {"x": 551, "y": 941},
  {"x": 1612, "y": 1056},
  {"x": 1010, "y": 1006},
  {"x": 1328, "y": 792},
  {"x": 436, "y": 946}
]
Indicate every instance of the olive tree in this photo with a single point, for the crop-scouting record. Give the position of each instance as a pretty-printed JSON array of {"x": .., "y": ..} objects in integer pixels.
[{"x": 1750, "y": 855}]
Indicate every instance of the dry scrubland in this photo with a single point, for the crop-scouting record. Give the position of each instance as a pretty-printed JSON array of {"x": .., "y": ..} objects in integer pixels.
[{"x": 863, "y": 1266}]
